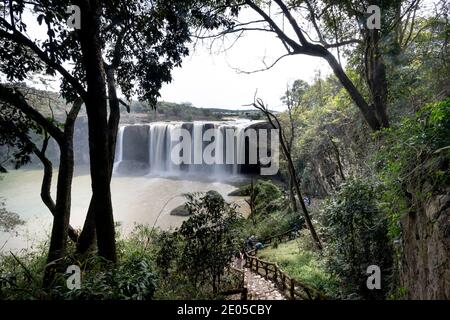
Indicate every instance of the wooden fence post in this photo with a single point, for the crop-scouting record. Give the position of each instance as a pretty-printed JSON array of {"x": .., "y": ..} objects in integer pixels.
[
  {"x": 292, "y": 289},
  {"x": 244, "y": 294}
]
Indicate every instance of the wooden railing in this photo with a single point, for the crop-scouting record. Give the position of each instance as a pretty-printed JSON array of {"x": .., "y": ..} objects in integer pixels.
[
  {"x": 290, "y": 287},
  {"x": 280, "y": 238},
  {"x": 239, "y": 277},
  {"x": 284, "y": 237}
]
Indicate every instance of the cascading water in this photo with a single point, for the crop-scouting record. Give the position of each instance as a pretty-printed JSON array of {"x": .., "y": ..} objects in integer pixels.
[
  {"x": 119, "y": 149},
  {"x": 228, "y": 154},
  {"x": 220, "y": 147},
  {"x": 157, "y": 147},
  {"x": 240, "y": 148}
]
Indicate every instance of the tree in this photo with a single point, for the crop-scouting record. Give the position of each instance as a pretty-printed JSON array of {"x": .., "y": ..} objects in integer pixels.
[
  {"x": 19, "y": 120},
  {"x": 276, "y": 124},
  {"x": 292, "y": 99},
  {"x": 15, "y": 106},
  {"x": 210, "y": 242},
  {"x": 335, "y": 24},
  {"x": 132, "y": 45},
  {"x": 356, "y": 230}
]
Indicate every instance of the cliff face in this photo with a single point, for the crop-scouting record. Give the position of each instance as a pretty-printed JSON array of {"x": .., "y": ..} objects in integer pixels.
[{"x": 425, "y": 266}]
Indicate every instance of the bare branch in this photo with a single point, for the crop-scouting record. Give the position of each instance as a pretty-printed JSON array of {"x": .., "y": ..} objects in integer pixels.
[
  {"x": 267, "y": 67},
  {"x": 294, "y": 45}
]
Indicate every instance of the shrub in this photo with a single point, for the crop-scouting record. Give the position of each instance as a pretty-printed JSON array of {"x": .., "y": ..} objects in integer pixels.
[
  {"x": 8, "y": 220},
  {"x": 131, "y": 278},
  {"x": 308, "y": 267},
  {"x": 356, "y": 234},
  {"x": 209, "y": 238},
  {"x": 414, "y": 161}
]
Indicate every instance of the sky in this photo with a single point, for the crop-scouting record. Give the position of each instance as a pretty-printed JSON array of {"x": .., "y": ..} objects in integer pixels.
[
  {"x": 212, "y": 78},
  {"x": 208, "y": 79}
]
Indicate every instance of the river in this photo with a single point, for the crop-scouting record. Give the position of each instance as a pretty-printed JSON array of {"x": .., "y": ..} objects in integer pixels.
[{"x": 136, "y": 200}]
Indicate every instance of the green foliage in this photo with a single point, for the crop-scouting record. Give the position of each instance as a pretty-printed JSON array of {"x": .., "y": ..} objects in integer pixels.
[
  {"x": 263, "y": 194},
  {"x": 8, "y": 220},
  {"x": 355, "y": 231},
  {"x": 273, "y": 223},
  {"x": 414, "y": 160},
  {"x": 272, "y": 216},
  {"x": 306, "y": 266},
  {"x": 168, "y": 252},
  {"x": 209, "y": 239},
  {"x": 132, "y": 279}
]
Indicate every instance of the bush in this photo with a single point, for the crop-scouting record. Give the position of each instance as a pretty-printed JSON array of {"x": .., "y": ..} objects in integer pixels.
[
  {"x": 414, "y": 161},
  {"x": 272, "y": 224},
  {"x": 209, "y": 239},
  {"x": 356, "y": 233},
  {"x": 308, "y": 267},
  {"x": 131, "y": 278},
  {"x": 8, "y": 220},
  {"x": 266, "y": 192}
]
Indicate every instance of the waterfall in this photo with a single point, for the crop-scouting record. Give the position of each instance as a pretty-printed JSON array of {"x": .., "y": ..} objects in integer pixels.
[
  {"x": 157, "y": 147},
  {"x": 197, "y": 147},
  {"x": 172, "y": 167},
  {"x": 240, "y": 148},
  {"x": 118, "y": 157},
  {"x": 219, "y": 167},
  {"x": 149, "y": 146}
]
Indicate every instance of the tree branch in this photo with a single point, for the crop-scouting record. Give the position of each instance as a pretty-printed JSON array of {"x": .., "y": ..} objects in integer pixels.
[
  {"x": 294, "y": 45},
  {"x": 19, "y": 38},
  {"x": 293, "y": 23},
  {"x": 14, "y": 97}
]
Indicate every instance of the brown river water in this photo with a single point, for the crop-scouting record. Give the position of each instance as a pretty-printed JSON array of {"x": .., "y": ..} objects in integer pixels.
[{"x": 136, "y": 200}]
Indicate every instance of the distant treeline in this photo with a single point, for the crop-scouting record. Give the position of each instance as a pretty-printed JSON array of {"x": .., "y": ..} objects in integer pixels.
[
  {"x": 169, "y": 111},
  {"x": 53, "y": 105}
]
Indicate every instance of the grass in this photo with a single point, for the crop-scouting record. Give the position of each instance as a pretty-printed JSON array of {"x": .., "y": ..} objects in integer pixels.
[{"x": 306, "y": 266}]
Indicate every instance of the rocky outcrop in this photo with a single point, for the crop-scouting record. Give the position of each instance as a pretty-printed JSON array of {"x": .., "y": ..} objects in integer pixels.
[{"x": 425, "y": 265}]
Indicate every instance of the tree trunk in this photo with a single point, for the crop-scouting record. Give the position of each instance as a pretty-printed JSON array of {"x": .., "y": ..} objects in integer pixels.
[
  {"x": 338, "y": 158},
  {"x": 292, "y": 194},
  {"x": 376, "y": 76},
  {"x": 355, "y": 95},
  {"x": 46, "y": 186},
  {"x": 88, "y": 235},
  {"x": 61, "y": 216},
  {"x": 96, "y": 107}
]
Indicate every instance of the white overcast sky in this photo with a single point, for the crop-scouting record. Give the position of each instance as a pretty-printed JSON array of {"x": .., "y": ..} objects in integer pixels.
[{"x": 208, "y": 78}]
